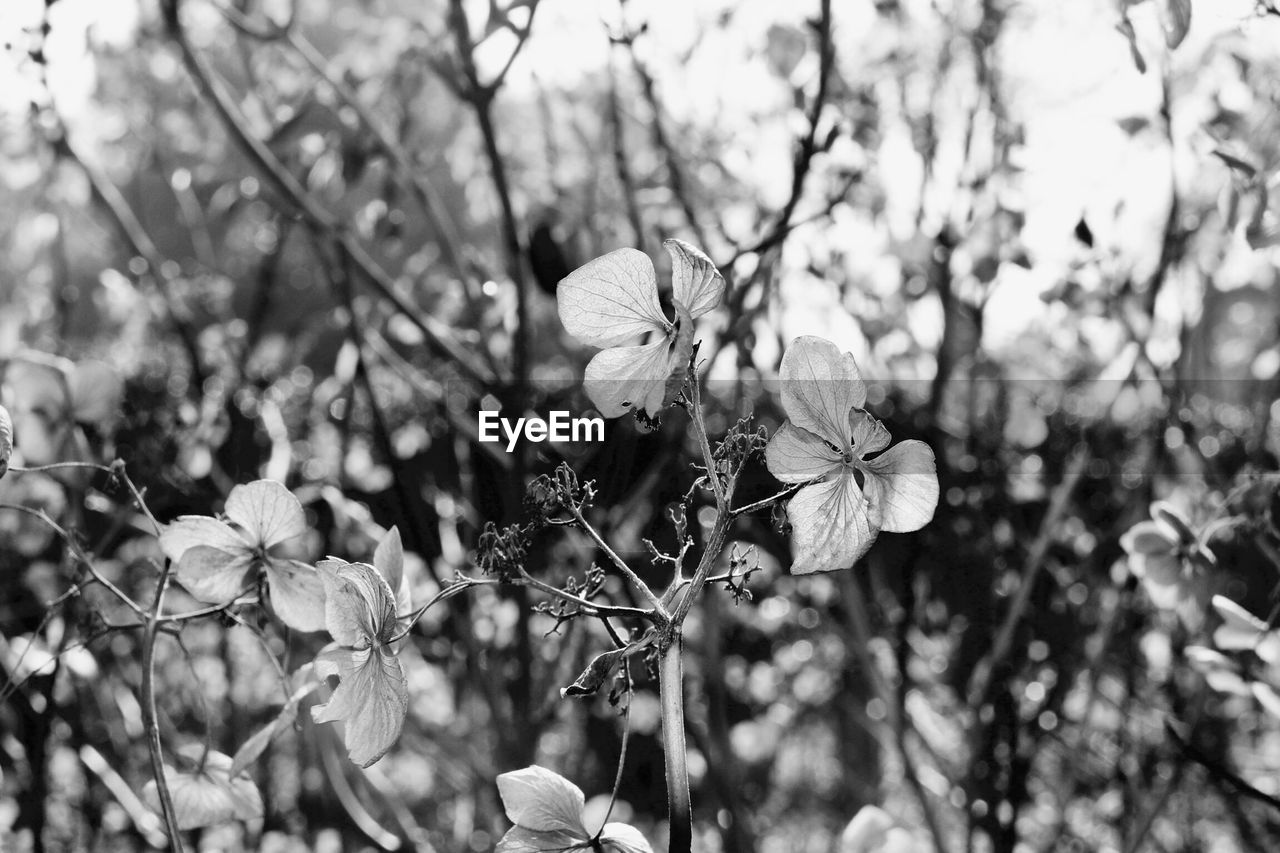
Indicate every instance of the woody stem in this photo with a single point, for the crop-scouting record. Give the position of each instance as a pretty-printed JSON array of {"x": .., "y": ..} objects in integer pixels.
[{"x": 671, "y": 689}]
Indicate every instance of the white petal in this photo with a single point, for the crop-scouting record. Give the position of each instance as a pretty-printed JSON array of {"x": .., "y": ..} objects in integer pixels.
[
  {"x": 867, "y": 831},
  {"x": 623, "y": 838},
  {"x": 624, "y": 379},
  {"x": 371, "y": 702},
  {"x": 1149, "y": 537},
  {"x": 868, "y": 434},
  {"x": 296, "y": 593},
  {"x": 902, "y": 487},
  {"x": 213, "y": 575},
  {"x": 819, "y": 387},
  {"x": 538, "y": 799},
  {"x": 795, "y": 455},
  {"x": 388, "y": 559},
  {"x": 1267, "y": 697},
  {"x": 830, "y": 529},
  {"x": 611, "y": 300},
  {"x": 521, "y": 840},
  {"x": 695, "y": 281},
  {"x": 269, "y": 513},
  {"x": 358, "y": 606},
  {"x": 191, "y": 530}
]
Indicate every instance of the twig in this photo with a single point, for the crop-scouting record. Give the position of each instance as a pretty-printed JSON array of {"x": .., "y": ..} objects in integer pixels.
[
  {"x": 408, "y": 173},
  {"x": 860, "y": 623},
  {"x": 1218, "y": 771},
  {"x": 621, "y": 164},
  {"x": 218, "y": 94},
  {"x": 149, "y": 721},
  {"x": 78, "y": 553},
  {"x": 675, "y": 175},
  {"x": 479, "y": 95},
  {"x": 761, "y": 504},
  {"x": 981, "y": 680},
  {"x": 621, "y": 564}
]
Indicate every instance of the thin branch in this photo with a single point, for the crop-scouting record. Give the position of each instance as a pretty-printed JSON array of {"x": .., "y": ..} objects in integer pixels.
[
  {"x": 772, "y": 499},
  {"x": 981, "y": 680},
  {"x": 621, "y": 564},
  {"x": 218, "y": 94},
  {"x": 78, "y": 553},
  {"x": 149, "y": 721},
  {"x": 480, "y": 97},
  {"x": 411, "y": 175}
]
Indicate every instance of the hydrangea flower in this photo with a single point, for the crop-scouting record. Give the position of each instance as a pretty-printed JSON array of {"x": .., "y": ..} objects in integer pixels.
[
  {"x": 363, "y": 615},
  {"x": 546, "y": 809},
  {"x": 613, "y": 300},
  {"x": 1162, "y": 553},
  {"x": 215, "y": 560},
  {"x": 828, "y": 438}
]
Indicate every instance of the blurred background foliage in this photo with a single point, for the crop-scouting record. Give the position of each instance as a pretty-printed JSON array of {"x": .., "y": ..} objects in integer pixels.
[{"x": 312, "y": 239}]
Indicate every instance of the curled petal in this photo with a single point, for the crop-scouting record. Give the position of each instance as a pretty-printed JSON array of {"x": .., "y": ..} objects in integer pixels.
[
  {"x": 371, "y": 702},
  {"x": 1149, "y": 538},
  {"x": 795, "y": 455},
  {"x": 902, "y": 487},
  {"x": 1177, "y": 522},
  {"x": 868, "y": 434},
  {"x": 819, "y": 387},
  {"x": 611, "y": 300},
  {"x": 189, "y": 531},
  {"x": 624, "y": 379},
  {"x": 268, "y": 512},
  {"x": 296, "y": 594},
  {"x": 830, "y": 528},
  {"x": 6, "y": 440},
  {"x": 623, "y": 838},
  {"x": 541, "y": 800},
  {"x": 695, "y": 281},
  {"x": 213, "y": 575},
  {"x": 359, "y": 608}
]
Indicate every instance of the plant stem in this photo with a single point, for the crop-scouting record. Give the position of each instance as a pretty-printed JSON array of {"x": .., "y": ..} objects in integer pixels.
[
  {"x": 671, "y": 689},
  {"x": 149, "y": 712}
]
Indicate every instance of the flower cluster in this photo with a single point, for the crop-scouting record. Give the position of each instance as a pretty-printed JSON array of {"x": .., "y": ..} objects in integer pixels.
[{"x": 363, "y": 607}]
